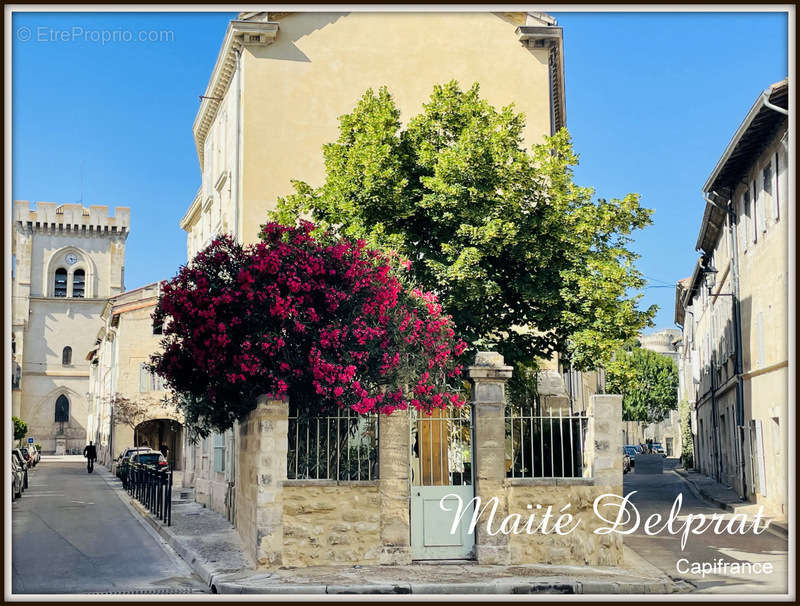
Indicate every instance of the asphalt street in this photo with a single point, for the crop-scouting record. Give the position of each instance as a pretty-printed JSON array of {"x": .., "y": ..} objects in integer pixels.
[
  {"x": 73, "y": 534},
  {"x": 656, "y": 494}
]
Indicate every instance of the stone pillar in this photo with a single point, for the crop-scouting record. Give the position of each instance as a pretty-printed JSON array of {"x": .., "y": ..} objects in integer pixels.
[
  {"x": 262, "y": 470},
  {"x": 61, "y": 446},
  {"x": 604, "y": 442},
  {"x": 488, "y": 376},
  {"x": 395, "y": 488}
]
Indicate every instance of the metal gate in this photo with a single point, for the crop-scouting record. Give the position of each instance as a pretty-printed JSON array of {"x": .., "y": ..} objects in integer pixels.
[{"x": 441, "y": 464}]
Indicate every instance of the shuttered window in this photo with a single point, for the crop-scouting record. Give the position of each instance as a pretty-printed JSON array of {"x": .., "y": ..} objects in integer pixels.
[
  {"x": 219, "y": 452},
  {"x": 79, "y": 284},
  {"x": 60, "y": 283},
  {"x": 144, "y": 378}
]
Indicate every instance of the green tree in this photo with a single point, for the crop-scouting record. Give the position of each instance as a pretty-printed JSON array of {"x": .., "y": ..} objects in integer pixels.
[
  {"x": 521, "y": 257},
  {"x": 20, "y": 428},
  {"x": 647, "y": 381}
]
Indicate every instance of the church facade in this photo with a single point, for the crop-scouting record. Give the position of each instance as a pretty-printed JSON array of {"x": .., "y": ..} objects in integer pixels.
[{"x": 67, "y": 261}]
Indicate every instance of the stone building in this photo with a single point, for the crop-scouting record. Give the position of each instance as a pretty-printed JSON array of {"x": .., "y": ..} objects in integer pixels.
[
  {"x": 280, "y": 82},
  {"x": 734, "y": 310},
  {"x": 67, "y": 260},
  {"x": 126, "y": 399}
]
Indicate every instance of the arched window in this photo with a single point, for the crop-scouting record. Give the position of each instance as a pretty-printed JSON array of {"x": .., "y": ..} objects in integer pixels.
[
  {"x": 62, "y": 409},
  {"x": 66, "y": 356},
  {"x": 78, "y": 283},
  {"x": 60, "y": 285}
]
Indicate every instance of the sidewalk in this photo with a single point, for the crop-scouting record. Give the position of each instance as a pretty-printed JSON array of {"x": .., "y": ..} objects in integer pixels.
[
  {"x": 212, "y": 548},
  {"x": 727, "y": 498}
]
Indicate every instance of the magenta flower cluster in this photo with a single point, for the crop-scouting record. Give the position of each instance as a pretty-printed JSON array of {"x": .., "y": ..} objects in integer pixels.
[{"x": 317, "y": 318}]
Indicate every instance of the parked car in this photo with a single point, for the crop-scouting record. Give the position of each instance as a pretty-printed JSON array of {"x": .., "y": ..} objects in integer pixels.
[
  {"x": 153, "y": 457},
  {"x": 626, "y": 461},
  {"x": 30, "y": 458},
  {"x": 631, "y": 451},
  {"x": 17, "y": 479},
  {"x": 126, "y": 458},
  {"x": 17, "y": 454},
  {"x": 657, "y": 448},
  {"x": 120, "y": 462}
]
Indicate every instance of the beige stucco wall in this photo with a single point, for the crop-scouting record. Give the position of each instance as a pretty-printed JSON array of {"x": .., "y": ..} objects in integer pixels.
[
  {"x": 331, "y": 524},
  {"x": 321, "y": 63},
  {"x": 292, "y": 93}
]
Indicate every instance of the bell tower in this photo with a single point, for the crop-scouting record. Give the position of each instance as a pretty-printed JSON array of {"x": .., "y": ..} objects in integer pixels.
[{"x": 67, "y": 260}]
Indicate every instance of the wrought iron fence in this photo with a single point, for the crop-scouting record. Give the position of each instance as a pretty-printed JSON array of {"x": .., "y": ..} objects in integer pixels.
[
  {"x": 545, "y": 443},
  {"x": 152, "y": 488},
  {"x": 341, "y": 446}
]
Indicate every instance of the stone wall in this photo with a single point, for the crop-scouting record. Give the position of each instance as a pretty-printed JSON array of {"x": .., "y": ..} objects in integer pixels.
[
  {"x": 581, "y": 547},
  {"x": 602, "y": 475},
  {"x": 326, "y": 522}
]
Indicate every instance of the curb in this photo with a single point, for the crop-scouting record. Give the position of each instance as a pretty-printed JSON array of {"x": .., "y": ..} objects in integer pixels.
[
  {"x": 570, "y": 586},
  {"x": 776, "y": 529},
  {"x": 190, "y": 556},
  {"x": 699, "y": 492}
]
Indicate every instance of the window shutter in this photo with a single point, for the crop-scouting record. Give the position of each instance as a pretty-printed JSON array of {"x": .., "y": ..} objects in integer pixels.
[
  {"x": 144, "y": 378},
  {"x": 780, "y": 171},
  {"x": 219, "y": 452},
  {"x": 744, "y": 220},
  {"x": 754, "y": 212},
  {"x": 766, "y": 190}
]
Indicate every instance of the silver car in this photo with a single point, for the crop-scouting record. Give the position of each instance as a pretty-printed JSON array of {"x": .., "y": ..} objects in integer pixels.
[{"x": 17, "y": 479}]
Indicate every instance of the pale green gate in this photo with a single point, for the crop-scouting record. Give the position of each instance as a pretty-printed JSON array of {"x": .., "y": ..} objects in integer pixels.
[{"x": 441, "y": 467}]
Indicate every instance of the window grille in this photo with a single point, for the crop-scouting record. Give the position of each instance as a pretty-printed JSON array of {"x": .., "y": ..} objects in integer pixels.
[
  {"x": 60, "y": 284},
  {"x": 545, "y": 443},
  {"x": 340, "y": 446},
  {"x": 78, "y": 283}
]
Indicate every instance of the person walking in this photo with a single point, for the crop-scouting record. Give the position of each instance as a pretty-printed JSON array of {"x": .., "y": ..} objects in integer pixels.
[{"x": 90, "y": 452}]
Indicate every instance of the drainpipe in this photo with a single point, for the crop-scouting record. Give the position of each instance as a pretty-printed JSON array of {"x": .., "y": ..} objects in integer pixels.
[
  {"x": 713, "y": 388},
  {"x": 767, "y": 104}
]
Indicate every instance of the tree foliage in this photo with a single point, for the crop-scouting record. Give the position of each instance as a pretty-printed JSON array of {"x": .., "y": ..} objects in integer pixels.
[
  {"x": 522, "y": 258},
  {"x": 313, "y": 316},
  {"x": 20, "y": 428},
  {"x": 647, "y": 381},
  {"x": 131, "y": 411},
  {"x": 687, "y": 439}
]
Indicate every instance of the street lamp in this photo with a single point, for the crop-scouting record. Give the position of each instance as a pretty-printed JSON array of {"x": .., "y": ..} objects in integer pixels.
[{"x": 710, "y": 279}]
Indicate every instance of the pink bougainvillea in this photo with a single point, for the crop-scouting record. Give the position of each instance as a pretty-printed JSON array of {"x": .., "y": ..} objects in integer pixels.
[{"x": 319, "y": 319}]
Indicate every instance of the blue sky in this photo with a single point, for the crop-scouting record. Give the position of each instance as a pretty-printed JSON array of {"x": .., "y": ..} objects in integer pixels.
[{"x": 652, "y": 101}]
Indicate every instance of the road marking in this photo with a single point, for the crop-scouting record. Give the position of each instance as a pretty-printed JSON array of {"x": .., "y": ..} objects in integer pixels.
[
  {"x": 83, "y": 502},
  {"x": 61, "y": 494}
]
